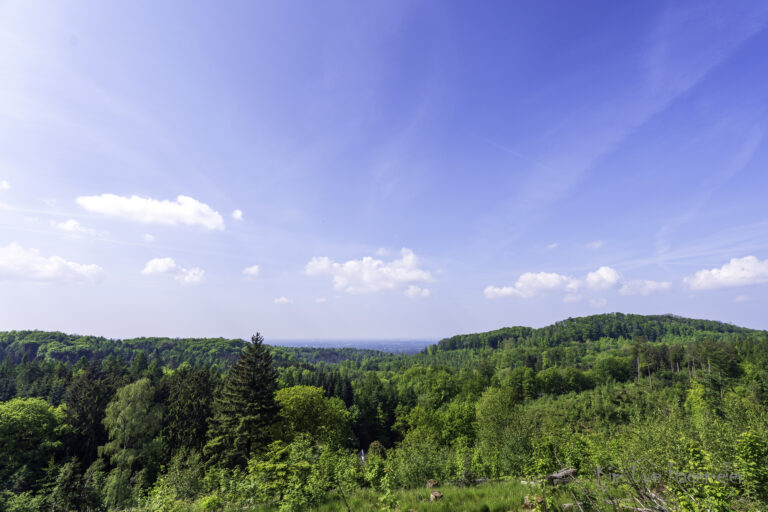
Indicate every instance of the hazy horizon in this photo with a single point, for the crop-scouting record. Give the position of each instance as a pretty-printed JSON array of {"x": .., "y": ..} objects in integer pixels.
[{"x": 351, "y": 341}]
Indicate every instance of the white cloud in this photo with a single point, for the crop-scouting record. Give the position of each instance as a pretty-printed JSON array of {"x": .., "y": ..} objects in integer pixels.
[
  {"x": 190, "y": 276},
  {"x": 530, "y": 284},
  {"x": 596, "y": 244},
  {"x": 251, "y": 271},
  {"x": 283, "y": 300},
  {"x": 552, "y": 245},
  {"x": 17, "y": 262},
  {"x": 185, "y": 210},
  {"x": 159, "y": 266},
  {"x": 320, "y": 300},
  {"x": 603, "y": 278},
  {"x": 415, "y": 291},
  {"x": 169, "y": 266},
  {"x": 738, "y": 272},
  {"x": 369, "y": 274},
  {"x": 4, "y": 185},
  {"x": 644, "y": 287},
  {"x": 597, "y": 303},
  {"x": 741, "y": 298},
  {"x": 72, "y": 226},
  {"x": 237, "y": 214},
  {"x": 149, "y": 238}
]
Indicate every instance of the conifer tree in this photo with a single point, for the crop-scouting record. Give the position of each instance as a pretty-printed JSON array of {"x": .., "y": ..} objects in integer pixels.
[
  {"x": 86, "y": 400},
  {"x": 190, "y": 396},
  {"x": 245, "y": 409}
]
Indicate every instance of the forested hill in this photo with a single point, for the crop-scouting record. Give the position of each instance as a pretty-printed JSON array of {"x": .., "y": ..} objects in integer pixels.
[
  {"x": 195, "y": 425},
  {"x": 220, "y": 352},
  {"x": 209, "y": 352},
  {"x": 588, "y": 328}
]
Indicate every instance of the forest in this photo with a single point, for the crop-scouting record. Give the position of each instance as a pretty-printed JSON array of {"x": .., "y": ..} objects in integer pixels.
[{"x": 655, "y": 413}]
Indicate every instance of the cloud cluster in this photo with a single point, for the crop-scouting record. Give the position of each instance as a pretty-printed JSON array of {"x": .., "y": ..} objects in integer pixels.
[
  {"x": 183, "y": 275},
  {"x": 283, "y": 300},
  {"x": 237, "y": 214},
  {"x": 737, "y": 272},
  {"x": 369, "y": 274},
  {"x": 531, "y": 284},
  {"x": 18, "y": 263},
  {"x": 185, "y": 210},
  {"x": 4, "y": 185}
]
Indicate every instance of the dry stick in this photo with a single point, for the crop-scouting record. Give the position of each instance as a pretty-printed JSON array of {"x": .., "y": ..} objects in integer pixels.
[
  {"x": 342, "y": 495},
  {"x": 575, "y": 481}
]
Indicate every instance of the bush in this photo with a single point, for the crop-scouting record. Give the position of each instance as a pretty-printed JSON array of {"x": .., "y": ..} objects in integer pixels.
[{"x": 210, "y": 503}]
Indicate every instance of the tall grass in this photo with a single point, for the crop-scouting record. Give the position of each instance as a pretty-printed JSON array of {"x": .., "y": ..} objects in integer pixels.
[{"x": 489, "y": 497}]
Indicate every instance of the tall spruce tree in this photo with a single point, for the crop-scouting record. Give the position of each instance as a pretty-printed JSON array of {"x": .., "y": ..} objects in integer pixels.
[
  {"x": 87, "y": 400},
  {"x": 245, "y": 410},
  {"x": 190, "y": 396}
]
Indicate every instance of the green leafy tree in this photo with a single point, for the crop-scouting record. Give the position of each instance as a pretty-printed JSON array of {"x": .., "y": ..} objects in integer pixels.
[
  {"x": 504, "y": 434},
  {"x": 521, "y": 383},
  {"x": 751, "y": 460},
  {"x": 133, "y": 420},
  {"x": 29, "y": 437},
  {"x": 306, "y": 410}
]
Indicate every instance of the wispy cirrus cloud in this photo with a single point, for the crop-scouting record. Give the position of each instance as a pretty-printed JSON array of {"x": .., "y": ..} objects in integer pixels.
[
  {"x": 596, "y": 244},
  {"x": 644, "y": 287},
  {"x": 414, "y": 291},
  {"x": 184, "y": 210},
  {"x": 682, "y": 48}
]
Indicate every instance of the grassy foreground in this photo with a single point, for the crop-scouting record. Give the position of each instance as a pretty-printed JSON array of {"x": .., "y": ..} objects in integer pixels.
[{"x": 489, "y": 497}]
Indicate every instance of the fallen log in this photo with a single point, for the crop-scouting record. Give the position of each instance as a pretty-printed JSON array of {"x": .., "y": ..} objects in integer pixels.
[{"x": 563, "y": 476}]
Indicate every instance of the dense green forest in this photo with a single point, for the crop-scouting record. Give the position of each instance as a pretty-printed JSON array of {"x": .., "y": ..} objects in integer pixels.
[{"x": 675, "y": 407}]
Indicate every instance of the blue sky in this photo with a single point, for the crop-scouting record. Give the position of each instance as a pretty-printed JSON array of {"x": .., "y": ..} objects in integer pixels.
[{"x": 400, "y": 169}]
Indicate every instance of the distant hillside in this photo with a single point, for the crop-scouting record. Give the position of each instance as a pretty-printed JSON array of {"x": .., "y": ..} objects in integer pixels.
[
  {"x": 215, "y": 352},
  {"x": 70, "y": 348},
  {"x": 220, "y": 352},
  {"x": 589, "y": 328}
]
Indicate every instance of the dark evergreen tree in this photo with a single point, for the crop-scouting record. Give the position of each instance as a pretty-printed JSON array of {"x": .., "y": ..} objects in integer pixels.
[
  {"x": 245, "y": 409},
  {"x": 86, "y": 400},
  {"x": 139, "y": 365},
  {"x": 190, "y": 396}
]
